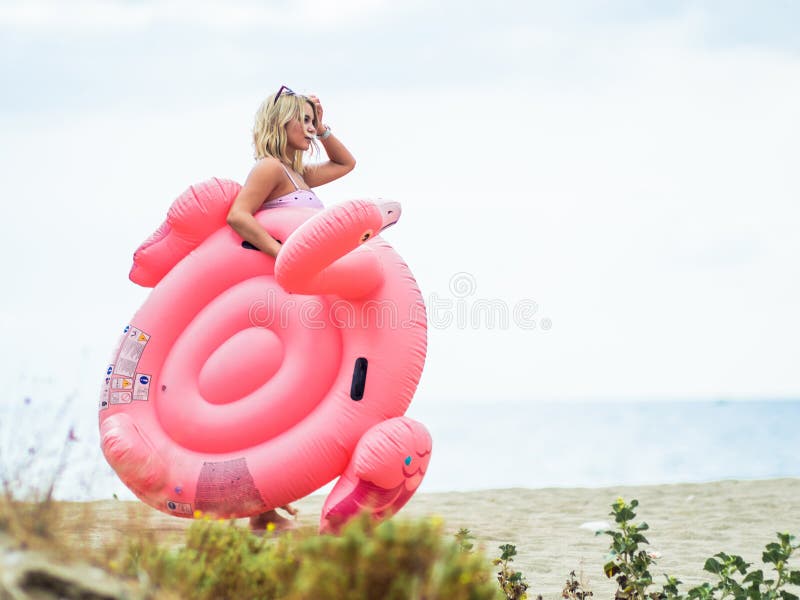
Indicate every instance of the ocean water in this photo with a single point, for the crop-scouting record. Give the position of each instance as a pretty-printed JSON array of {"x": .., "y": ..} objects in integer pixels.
[
  {"x": 475, "y": 446},
  {"x": 480, "y": 446}
]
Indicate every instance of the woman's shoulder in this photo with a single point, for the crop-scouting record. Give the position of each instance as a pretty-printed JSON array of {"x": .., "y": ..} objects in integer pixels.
[
  {"x": 266, "y": 169},
  {"x": 268, "y": 164}
]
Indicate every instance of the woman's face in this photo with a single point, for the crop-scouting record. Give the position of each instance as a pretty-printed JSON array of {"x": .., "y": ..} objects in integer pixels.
[{"x": 299, "y": 134}]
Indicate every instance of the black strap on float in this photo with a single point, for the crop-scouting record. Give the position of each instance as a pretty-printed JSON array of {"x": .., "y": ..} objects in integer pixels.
[
  {"x": 248, "y": 246},
  {"x": 359, "y": 379}
]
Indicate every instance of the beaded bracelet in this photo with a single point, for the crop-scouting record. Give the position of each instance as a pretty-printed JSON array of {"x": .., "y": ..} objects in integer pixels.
[{"x": 326, "y": 134}]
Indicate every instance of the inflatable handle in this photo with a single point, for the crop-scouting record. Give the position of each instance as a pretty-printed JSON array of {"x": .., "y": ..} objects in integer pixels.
[
  {"x": 196, "y": 214},
  {"x": 325, "y": 255},
  {"x": 131, "y": 453}
]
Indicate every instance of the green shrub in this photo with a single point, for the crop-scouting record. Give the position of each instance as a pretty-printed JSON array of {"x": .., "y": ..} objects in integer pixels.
[
  {"x": 394, "y": 560},
  {"x": 512, "y": 582},
  {"x": 631, "y": 564},
  {"x": 734, "y": 580}
]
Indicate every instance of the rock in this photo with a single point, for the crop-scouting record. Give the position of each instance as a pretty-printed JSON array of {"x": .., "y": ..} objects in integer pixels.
[{"x": 32, "y": 575}]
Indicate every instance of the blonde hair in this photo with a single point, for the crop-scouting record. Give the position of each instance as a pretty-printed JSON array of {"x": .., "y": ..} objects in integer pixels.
[{"x": 269, "y": 130}]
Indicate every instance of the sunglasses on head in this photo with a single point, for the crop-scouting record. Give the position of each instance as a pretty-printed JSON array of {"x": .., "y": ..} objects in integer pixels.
[{"x": 284, "y": 90}]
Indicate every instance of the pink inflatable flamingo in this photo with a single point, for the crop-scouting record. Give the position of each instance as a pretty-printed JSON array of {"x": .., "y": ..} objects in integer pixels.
[{"x": 243, "y": 383}]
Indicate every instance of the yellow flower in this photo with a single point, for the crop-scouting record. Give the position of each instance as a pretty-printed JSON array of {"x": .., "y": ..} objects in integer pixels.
[
  {"x": 198, "y": 514},
  {"x": 270, "y": 527}
]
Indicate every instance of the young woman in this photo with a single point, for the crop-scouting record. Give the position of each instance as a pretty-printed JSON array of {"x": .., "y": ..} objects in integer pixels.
[{"x": 286, "y": 126}]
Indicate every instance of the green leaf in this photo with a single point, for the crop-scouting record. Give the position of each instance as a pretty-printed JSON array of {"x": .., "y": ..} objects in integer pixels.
[
  {"x": 756, "y": 577},
  {"x": 773, "y": 545},
  {"x": 701, "y": 591},
  {"x": 610, "y": 532},
  {"x": 794, "y": 577},
  {"x": 754, "y": 593},
  {"x": 739, "y": 563},
  {"x": 508, "y": 550},
  {"x": 625, "y": 514},
  {"x": 713, "y": 566},
  {"x": 788, "y": 596}
]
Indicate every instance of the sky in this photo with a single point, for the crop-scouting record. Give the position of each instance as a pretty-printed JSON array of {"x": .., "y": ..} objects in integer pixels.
[{"x": 600, "y": 199}]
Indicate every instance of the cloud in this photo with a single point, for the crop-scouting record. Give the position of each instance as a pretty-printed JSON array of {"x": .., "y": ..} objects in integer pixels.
[{"x": 120, "y": 52}]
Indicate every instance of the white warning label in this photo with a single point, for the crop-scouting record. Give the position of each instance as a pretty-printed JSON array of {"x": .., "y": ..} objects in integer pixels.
[
  {"x": 141, "y": 386},
  {"x": 120, "y": 397},
  {"x": 122, "y": 383},
  {"x": 182, "y": 508},
  {"x": 130, "y": 351}
]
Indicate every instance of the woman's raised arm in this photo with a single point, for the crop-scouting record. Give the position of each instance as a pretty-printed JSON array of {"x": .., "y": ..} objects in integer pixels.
[{"x": 340, "y": 162}]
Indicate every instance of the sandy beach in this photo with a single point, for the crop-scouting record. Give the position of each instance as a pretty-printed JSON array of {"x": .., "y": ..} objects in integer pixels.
[{"x": 689, "y": 523}]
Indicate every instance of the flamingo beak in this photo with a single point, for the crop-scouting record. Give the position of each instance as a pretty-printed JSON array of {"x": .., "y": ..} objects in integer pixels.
[{"x": 390, "y": 211}]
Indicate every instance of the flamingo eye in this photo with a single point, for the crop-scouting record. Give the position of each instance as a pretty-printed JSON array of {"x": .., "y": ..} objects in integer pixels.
[{"x": 407, "y": 460}]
